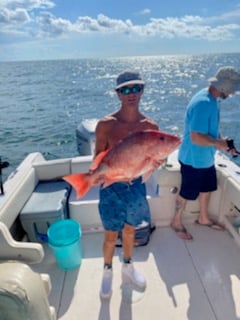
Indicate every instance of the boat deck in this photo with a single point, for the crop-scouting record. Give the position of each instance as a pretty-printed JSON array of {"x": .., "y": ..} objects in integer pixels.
[{"x": 192, "y": 280}]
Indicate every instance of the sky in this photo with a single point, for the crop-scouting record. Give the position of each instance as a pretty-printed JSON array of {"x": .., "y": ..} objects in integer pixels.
[{"x": 73, "y": 29}]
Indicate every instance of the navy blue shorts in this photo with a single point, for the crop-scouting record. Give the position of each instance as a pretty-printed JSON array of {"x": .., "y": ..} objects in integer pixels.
[
  {"x": 122, "y": 203},
  {"x": 196, "y": 180}
]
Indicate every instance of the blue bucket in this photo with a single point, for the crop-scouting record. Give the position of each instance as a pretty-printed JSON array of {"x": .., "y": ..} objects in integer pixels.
[{"x": 64, "y": 238}]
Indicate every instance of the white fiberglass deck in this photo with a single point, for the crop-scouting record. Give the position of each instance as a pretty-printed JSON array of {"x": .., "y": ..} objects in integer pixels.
[{"x": 197, "y": 280}]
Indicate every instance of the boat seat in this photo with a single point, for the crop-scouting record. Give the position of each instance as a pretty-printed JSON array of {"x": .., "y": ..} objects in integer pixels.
[
  {"x": 24, "y": 293},
  {"x": 14, "y": 250}
]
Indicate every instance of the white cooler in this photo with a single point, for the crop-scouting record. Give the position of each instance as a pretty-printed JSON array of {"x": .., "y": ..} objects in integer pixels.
[{"x": 47, "y": 204}]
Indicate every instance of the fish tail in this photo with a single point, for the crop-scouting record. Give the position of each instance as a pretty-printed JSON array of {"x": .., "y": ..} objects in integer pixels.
[{"x": 80, "y": 182}]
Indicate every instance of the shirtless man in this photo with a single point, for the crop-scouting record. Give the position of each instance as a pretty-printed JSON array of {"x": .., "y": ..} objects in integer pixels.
[{"x": 122, "y": 206}]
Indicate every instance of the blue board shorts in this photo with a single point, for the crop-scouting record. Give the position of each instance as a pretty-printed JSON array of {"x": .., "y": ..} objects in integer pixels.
[
  {"x": 196, "y": 180},
  {"x": 122, "y": 203}
]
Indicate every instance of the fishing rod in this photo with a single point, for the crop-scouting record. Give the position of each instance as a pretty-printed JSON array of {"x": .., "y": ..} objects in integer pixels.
[{"x": 3, "y": 165}]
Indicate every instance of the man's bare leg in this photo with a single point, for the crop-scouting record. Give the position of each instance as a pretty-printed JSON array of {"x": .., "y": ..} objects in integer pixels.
[
  {"x": 176, "y": 223},
  {"x": 204, "y": 198},
  {"x": 128, "y": 270},
  {"x": 203, "y": 218},
  {"x": 110, "y": 238},
  {"x": 128, "y": 234}
]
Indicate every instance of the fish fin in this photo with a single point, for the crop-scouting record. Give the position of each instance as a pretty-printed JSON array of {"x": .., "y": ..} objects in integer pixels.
[
  {"x": 79, "y": 182},
  {"x": 95, "y": 163}
]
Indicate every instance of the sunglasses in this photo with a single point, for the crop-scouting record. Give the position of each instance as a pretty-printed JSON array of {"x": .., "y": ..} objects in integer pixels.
[{"x": 127, "y": 90}]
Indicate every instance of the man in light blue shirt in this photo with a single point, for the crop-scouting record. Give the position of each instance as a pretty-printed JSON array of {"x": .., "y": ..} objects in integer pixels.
[
  {"x": 202, "y": 116},
  {"x": 200, "y": 140}
]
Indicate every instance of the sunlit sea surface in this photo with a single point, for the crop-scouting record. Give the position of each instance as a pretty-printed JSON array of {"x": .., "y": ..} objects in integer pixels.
[{"x": 42, "y": 102}]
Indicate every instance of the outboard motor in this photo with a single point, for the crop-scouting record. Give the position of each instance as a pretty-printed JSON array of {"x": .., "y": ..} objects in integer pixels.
[{"x": 85, "y": 135}]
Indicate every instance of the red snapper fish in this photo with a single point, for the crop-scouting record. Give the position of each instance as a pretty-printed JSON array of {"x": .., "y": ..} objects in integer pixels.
[{"x": 139, "y": 154}]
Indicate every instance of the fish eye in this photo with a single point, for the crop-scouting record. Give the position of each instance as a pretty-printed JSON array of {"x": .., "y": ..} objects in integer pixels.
[{"x": 162, "y": 138}]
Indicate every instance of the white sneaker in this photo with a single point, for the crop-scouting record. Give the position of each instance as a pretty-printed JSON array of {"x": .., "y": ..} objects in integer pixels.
[
  {"x": 106, "y": 286},
  {"x": 130, "y": 273}
]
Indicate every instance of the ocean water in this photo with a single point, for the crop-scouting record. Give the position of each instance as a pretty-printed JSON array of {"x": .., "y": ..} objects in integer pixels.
[{"x": 43, "y": 102}]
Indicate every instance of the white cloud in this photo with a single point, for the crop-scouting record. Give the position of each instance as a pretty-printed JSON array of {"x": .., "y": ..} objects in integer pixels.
[
  {"x": 189, "y": 27},
  {"x": 26, "y": 4},
  {"x": 32, "y": 17},
  {"x": 144, "y": 12},
  {"x": 52, "y": 26},
  {"x": 228, "y": 17},
  {"x": 16, "y": 13},
  {"x": 192, "y": 19},
  {"x": 16, "y": 17},
  {"x": 102, "y": 24},
  {"x": 185, "y": 27}
]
